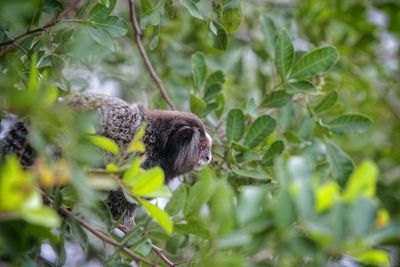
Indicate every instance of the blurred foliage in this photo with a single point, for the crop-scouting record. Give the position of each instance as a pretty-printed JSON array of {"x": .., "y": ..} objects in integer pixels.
[{"x": 301, "y": 98}]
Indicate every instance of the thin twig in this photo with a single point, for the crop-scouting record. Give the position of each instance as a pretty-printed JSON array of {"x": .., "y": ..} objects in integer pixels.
[
  {"x": 146, "y": 60},
  {"x": 49, "y": 24},
  {"x": 161, "y": 254},
  {"x": 104, "y": 237}
]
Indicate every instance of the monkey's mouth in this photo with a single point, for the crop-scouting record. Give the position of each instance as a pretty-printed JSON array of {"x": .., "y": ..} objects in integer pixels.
[{"x": 202, "y": 163}]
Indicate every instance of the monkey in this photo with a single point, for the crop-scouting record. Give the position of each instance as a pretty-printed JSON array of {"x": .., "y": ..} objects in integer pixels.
[{"x": 175, "y": 141}]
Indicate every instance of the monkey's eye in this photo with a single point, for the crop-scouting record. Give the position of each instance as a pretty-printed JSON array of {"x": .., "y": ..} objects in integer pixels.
[{"x": 202, "y": 147}]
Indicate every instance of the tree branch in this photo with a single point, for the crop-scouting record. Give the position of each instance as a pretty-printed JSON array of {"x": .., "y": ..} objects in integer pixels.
[
  {"x": 146, "y": 60},
  {"x": 14, "y": 42},
  {"x": 107, "y": 239}
]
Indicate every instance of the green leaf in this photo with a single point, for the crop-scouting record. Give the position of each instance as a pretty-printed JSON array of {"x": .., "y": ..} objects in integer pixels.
[
  {"x": 162, "y": 191},
  {"x": 160, "y": 216},
  {"x": 100, "y": 11},
  {"x": 153, "y": 15},
  {"x": 215, "y": 77},
  {"x": 232, "y": 17},
  {"x": 219, "y": 35},
  {"x": 222, "y": 208},
  {"x": 362, "y": 182},
  {"x": 251, "y": 173},
  {"x": 261, "y": 128},
  {"x": 42, "y": 216},
  {"x": 284, "y": 54},
  {"x": 212, "y": 91},
  {"x": 277, "y": 99},
  {"x": 326, "y": 103},
  {"x": 269, "y": 30},
  {"x": 284, "y": 211},
  {"x": 196, "y": 104},
  {"x": 300, "y": 87},
  {"x": 177, "y": 201},
  {"x": 101, "y": 37},
  {"x": 113, "y": 26},
  {"x": 193, "y": 9},
  {"x": 275, "y": 149},
  {"x": 132, "y": 171},
  {"x": 199, "y": 70},
  {"x": 234, "y": 125},
  {"x": 147, "y": 182},
  {"x": 316, "y": 62},
  {"x": 105, "y": 143},
  {"x": 52, "y": 7},
  {"x": 349, "y": 124},
  {"x": 340, "y": 163},
  {"x": 199, "y": 194}
]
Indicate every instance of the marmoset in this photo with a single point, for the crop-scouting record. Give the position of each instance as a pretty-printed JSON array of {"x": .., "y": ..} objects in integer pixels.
[{"x": 175, "y": 141}]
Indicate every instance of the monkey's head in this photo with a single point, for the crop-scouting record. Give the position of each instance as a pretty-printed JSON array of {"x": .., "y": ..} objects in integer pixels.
[{"x": 186, "y": 145}]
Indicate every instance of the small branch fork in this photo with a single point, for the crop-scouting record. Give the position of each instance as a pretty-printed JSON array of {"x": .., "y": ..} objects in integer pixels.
[
  {"x": 15, "y": 42},
  {"x": 146, "y": 60}
]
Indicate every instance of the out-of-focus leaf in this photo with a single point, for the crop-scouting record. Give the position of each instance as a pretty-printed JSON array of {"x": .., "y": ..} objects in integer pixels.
[
  {"x": 113, "y": 26},
  {"x": 192, "y": 7},
  {"x": 219, "y": 35},
  {"x": 160, "y": 216},
  {"x": 362, "y": 182},
  {"x": 152, "y": 15},
  {"x": 105, "y": 143},
  {"x": 340, "y": 163},
  {"x": 177, "y": 201},
  {"x": 212, "y": 91},
  {"x": 316, "y": 62},
  {"x": 234, "y": 125},
  {"x": 42, "y": 216},
  {"x": 136, "y": 144},
  {"x": 199, "y": 70},
  {"x": 375, "y": 257},
  {"x": 53, "y": 7},
  {"x": 326, "y": 196},
  {"x": 147, "y": 181},
  {"x": 275, "y": 149},
  {"x": 215, "y": 77},
  {"x": 251, "y": 173},
  {"x": 261, "y": 128},
  {"x": 269, "y": 30},
  {"x": 352, "y": 123},
  {"x": 232, "y": 17},
  {"x": 197, "y": 105},
  {"x": 199, "y": 194},
  {"x": 284, "y": 54}
]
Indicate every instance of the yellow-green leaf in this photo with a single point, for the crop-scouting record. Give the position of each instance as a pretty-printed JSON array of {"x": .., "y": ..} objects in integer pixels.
[
  {"x": 325, "y": 197},
  {"x": 374, "y": 256},
  {"x": 105, "y": 143},
  {"x": 160, "y": 216},
  {"x": 136, "y": 144},
  {"x": 148, "y": 181},
  {"x": 362, "y": 182}
]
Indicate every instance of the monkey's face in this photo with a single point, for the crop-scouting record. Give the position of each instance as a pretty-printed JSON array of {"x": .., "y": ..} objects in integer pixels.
[
  {"x": 204, "y": 152},
  {"x": 187, "y": 148}
]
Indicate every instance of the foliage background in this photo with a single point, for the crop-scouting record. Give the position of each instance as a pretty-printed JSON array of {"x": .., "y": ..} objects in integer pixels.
[{"x": 251, "y": 207}]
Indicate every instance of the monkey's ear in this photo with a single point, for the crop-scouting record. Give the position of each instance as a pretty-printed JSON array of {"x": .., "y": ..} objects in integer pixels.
[{"x": 185, "y": 132}]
